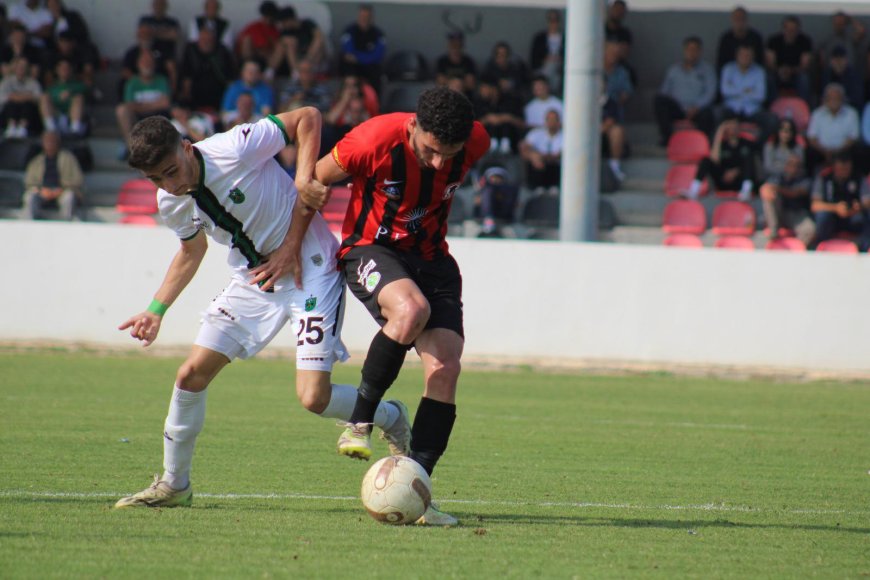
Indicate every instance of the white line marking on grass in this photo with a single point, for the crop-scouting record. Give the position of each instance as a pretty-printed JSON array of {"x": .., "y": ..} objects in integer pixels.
[{"x": 710, "y": 507}]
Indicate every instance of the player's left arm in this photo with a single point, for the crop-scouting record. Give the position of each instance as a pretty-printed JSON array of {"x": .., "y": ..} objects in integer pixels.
[{"x": 302, "y": 125}]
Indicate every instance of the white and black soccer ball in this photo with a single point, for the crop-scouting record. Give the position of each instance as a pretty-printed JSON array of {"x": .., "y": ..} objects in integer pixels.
[{"x": 396, "y": 490}]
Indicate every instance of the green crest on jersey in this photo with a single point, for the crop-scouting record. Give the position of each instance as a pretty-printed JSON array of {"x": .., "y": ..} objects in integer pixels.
[
  {"x": 236, "y": 195},
  {"x": 310, "y": 303}
]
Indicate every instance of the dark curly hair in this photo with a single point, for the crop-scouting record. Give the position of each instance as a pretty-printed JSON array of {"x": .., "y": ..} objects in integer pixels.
[
  {"x": 446, "y": 114},
  {"x": 151, "y": 141}
]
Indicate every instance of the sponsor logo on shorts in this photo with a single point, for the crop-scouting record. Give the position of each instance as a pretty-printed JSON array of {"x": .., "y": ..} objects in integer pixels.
[
  {"x": 450, "y": 190},
  {"x": 372, "y": 281},
  {"x": 236, "y": 195},
  {"x": 317, "y": 260},
  {"x": 310, "y": 303}
]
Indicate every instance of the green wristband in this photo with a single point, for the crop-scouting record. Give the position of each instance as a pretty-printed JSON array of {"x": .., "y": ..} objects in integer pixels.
[{"x": 157, "y": 307}]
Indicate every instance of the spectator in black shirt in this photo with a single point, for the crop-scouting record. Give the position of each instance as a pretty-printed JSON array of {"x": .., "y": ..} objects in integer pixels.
[
  {"x": 164, "y": 28},
  {"x": 211, "y": 18},
  {"x": 363, "y": 47},
  {"x": 300, "y": 40},
  {"x": 731, "y": 164},
  {"x": 841, "y": 72},
  {"x": 840, "y": 200},
  {"x": 789, "y": 56},
  {"x": 615, "y": 31},
  {"x": 500, "y": 113},
  {"x": 207, "y": 67},
  {"x": 456, "y": 63},
  {"x": 17, "y": 46},
  {"x": 510, "y": 72},
  {"x": 548, "y": 51},
  {"x": 83, "y": 59},
  {"x": 741, "y": 33}
]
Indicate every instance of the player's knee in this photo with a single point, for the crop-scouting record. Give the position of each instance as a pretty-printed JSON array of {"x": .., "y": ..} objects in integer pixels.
[
  {"x": 410, "y": 319},
  {"x": 190, "y": 378},
  {"x": 444, "y": 371},
  {"x": 313, "y": 393}
]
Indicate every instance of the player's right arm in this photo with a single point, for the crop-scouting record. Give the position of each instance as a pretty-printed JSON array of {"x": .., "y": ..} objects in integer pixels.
[{"x": 145, "y": 325}]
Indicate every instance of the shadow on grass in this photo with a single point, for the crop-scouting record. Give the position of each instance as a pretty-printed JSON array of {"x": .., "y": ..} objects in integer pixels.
[{"x": 652, "y": 523}]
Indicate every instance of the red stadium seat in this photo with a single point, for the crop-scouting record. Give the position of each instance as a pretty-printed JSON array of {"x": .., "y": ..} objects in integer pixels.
[
  {"x": 726, "y": 194},
  {"x": 794, "y": 108},
  {"x": 838, "y": 246},
  {"x": 683, "y": 241},
  {"x": 679, "y": 178},
  {"x": 688, "y": 146},
  {"x": 683, "y": 125},
  {"x": 741, "y": 243},
  {"x": 138, "y": 220},
  {"x": 684, "y": 216},
  {"x": 733, "y": 218},
  {"x": 137, "y": 196},
  {"x": 335, "y": 209},
  {"x": 786, "y": 244}
]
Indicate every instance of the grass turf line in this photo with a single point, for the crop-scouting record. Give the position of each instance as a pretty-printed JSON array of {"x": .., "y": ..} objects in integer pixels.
[{"x": 763, "y": 452}]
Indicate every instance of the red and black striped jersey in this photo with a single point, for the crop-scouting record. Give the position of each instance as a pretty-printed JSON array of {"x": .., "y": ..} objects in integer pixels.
[{"x": 394, "y": 201}]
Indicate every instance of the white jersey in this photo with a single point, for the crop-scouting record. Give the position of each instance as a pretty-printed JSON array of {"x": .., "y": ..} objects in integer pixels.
[{"x": 244, "y": 200}]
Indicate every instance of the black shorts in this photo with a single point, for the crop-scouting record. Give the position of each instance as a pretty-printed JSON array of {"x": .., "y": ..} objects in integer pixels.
[{"x": 369, "y": 268}]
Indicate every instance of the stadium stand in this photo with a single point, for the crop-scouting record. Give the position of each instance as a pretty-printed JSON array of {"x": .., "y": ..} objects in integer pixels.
[
  {"x": 733, "y": 218},
  {"x": 683, "y": 241},
  {"x": 684, "y": 216},
  {"x": 838, "y": 246},
  {"x": 137, "y": 202},
  {"x": 740, "y": 243},
  {"x": 678, "y": 179},
  {"x": 688, "y": 146},
  {"x": 786, "y": 244}
]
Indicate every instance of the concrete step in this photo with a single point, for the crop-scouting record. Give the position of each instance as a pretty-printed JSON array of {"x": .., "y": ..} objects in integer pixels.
[{"x": 106, "y": 150}]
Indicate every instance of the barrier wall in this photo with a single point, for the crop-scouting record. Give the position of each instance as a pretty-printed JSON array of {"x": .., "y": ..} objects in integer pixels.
[{"x": 77, "y": 282}]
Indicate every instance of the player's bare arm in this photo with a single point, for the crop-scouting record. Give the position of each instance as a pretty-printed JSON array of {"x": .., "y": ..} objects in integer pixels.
[
  {"x": 145, "y": 325},
  {"x": 303, "y": 125}
]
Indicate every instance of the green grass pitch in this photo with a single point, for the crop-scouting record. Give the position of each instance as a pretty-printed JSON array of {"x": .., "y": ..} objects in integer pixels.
[{"x": 552, "y": 476}]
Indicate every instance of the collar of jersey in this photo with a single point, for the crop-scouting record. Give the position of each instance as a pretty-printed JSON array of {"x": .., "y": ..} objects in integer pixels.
[{"x": 201, "y": 185}]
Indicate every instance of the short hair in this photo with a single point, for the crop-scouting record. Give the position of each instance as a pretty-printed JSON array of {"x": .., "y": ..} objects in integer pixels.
[
  {"x": 792, "y": 18},
  {"x": 448, "y": 115},
  {"x": 842, "y": 156},
  {"x": 268, "y": 9},
  {"x": 834, "y": 87},
  {"x": 693, "y": 39},
  {"x": 151, "y": 141},
  {"x": 539, "y": 78}
]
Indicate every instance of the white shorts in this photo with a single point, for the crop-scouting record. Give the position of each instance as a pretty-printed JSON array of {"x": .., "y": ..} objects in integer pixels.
[{"x": 243, "y": 319}]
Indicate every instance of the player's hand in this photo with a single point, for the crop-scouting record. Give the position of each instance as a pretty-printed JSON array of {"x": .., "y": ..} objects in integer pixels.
[
  {"x": 284, "y": 260},
  {"x": 143, "y": 327},
  {"x": 312, "y": 193}
]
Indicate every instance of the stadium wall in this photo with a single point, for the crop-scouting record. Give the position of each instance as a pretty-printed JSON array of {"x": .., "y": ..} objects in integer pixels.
[{"x": 523, "y": 300}]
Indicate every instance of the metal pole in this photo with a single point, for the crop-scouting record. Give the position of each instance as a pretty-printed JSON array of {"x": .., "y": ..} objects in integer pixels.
[{"x": 581, "y": 155}]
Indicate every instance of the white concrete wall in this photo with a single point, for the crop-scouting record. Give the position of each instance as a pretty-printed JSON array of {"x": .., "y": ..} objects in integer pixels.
[{"x": 77, "y": 282}]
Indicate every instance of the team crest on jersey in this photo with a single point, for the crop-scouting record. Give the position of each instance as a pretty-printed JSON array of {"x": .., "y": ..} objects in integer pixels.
[
  {"x": 317, "y": 260},
  {"x": 236, "y": 195},
  {"x": 413, "y": 219},
  {"x": 450, "y": 190},
  {"x": 310, "y": 303}
]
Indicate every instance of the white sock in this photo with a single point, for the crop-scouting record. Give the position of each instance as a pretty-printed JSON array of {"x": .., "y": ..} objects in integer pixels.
[
  {"x": 49, "y": 124},
  {"x": 694, "y": 189},
  {"x": 746, "y": 187},
  {"x": 77, "y": 127},
  {"x": 343, "y": 400},
  {"x": 183, "y": 423}
]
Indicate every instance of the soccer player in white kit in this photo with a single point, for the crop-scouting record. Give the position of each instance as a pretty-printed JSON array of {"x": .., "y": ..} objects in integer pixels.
[{"x": 230, "y": 188}]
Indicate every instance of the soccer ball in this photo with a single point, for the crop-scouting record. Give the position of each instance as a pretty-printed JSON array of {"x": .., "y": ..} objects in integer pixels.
[{"x": 396, "y": 490}]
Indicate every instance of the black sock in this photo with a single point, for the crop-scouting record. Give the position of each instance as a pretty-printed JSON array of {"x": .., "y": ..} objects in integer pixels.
[
  {"x": 431, "y": 431},
  {"x": 380, "y": 369}
]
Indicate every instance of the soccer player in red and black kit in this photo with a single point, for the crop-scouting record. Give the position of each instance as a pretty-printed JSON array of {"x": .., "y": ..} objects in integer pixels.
[{"x": 406, "y": 168}]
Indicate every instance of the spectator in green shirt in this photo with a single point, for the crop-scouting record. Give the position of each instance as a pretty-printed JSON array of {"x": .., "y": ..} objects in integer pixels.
[
  {"x": 63, "y": 103},
  {"x": 145, "y": 94}
]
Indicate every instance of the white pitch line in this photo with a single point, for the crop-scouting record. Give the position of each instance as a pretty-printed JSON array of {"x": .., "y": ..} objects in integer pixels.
[{"x": 710, "y": 507}]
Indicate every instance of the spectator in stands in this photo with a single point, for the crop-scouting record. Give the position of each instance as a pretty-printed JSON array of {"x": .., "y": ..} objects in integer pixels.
[
  {"x": 510, "y": 72},
  {"x": 52, "y": 179},
  {"x": 299, "y": 39},
  {"x": 841, "y": 197},
  {"x": 16, "y": 46},
  {"x": 739, "y": 34},
  {"x": 731, "y": 164},
  {"x": 833, "y": 128},
  {"x": 84, "y": 60},
  {"x": 259, "y": 38},
  {"x": 207, "y": 67},
  {"x": 62, "y": 106},
  {"x": 785, "y": 200},
  {"x": 541, "y": 148},
  {"x": 164, "y": 63},
  {"x": 782, "y": 146},
  {"x": 347, "y": 112},
  {"x": 613, "y": 140},
  {"x": 193, "y": 126},
  {"x": 495, "y": 201},
  {"x": 687, "y": 92},
  {"x": 70, "y": 21},
  {"x": 35, "y": 18},
  {"x": 4, "y": 22},
  {"x": 617, "y": 80},
  {"x": 501, "y": 114},
  {"x": 250, "y": 81},
  {"x": 841, "y": 72},
  {"x": 305, "y": 91},
  {"x": 456, "y": 63},
  {"x": 19, "y": 101},
  {"x": 848, "y": 33},
  {"x": 789, "y": 56},
  {"x": 616, "y": 32},
  {"x": 145, "y": 94},
  {"x": 548, "y": 51},
  {"x": 165, "y": 30},
  {"x": 245, "y": 110},
  {"x": 744, "y": 89},
  {"x": 363, "y": 47},
  {"x": 542, "y": 101},
  {"x": 211, "y": 18}
]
